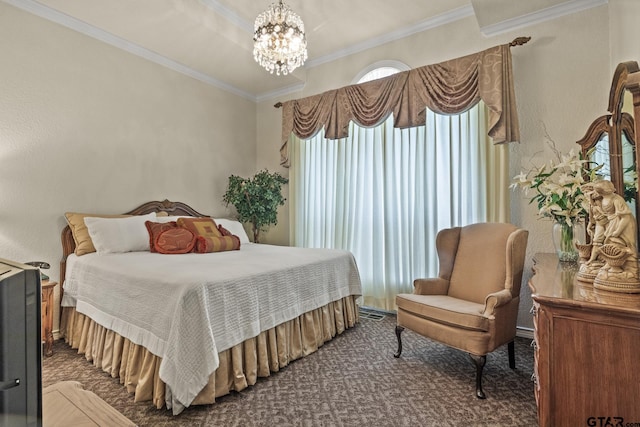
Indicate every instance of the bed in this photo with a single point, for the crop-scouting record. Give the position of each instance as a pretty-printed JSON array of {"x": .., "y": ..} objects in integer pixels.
[{"x": 182, "y": 330}]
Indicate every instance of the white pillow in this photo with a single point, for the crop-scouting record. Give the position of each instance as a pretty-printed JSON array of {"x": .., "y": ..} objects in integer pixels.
[
  {"x": 164, "y": 219},
  {"x": 114, "y": 235},
  {"x": 235, "y": 227}
]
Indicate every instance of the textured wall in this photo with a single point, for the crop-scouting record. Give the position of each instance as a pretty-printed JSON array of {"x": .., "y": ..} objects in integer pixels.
[
  {"x": 625, "y": 31},
  {"x": 88, "y": 127},
  {"x": 562, "y": 79}
]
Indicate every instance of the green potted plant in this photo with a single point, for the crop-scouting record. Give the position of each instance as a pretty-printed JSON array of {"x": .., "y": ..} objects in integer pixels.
[{"x": 256, "y": 199}]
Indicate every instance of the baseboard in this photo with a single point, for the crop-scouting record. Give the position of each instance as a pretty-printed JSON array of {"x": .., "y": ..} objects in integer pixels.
[{"x": 524, "y": 332}]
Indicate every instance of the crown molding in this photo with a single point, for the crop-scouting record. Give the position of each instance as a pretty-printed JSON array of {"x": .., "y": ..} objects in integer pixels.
[
  {"x": 280, "y": 92},
  {"x": 75, "y": 24},
  {"x": 43, "y": 11},
  {"x": 229, "y": 14},
  {"x": 433, "y": 22},
  {"x": 552, "y": 12}
]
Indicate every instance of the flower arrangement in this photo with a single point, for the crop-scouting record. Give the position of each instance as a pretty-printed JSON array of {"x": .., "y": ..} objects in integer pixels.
[
  {"x": 557, "y": 187},
  {"x": 559, "y": 196}
]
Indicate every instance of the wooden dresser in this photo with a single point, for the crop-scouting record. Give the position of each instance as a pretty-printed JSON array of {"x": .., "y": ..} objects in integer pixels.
[{"x": 587, "y": 349}]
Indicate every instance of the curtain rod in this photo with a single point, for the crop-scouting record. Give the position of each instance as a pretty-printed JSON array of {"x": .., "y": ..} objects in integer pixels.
[{"x": 518, "y": 41}]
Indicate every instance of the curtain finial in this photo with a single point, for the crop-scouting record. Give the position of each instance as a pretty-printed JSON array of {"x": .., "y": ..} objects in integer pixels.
[{"x": 519, "y": 41}]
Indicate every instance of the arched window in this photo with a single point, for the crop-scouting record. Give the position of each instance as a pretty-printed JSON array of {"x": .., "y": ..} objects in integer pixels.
[
  {"x": 383, "y": 193},
  {"x": 379, "y": 70}
]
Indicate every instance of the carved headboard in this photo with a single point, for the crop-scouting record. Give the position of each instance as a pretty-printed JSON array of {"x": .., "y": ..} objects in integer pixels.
[{"x": 171, "y": 208}]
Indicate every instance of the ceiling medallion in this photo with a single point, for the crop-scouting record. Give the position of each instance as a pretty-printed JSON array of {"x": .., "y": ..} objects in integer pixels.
[{"x": 279, "y": 42}]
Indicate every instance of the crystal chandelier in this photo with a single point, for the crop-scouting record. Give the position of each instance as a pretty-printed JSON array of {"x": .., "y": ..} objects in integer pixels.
[{"x": 279, "y": 43}]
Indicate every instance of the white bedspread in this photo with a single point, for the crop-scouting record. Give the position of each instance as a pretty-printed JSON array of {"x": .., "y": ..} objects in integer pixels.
[{"x": 188, "y": 308}]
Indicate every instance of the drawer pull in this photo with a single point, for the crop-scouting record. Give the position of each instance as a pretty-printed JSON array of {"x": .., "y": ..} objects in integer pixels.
[{"x": 6, "y": 385}]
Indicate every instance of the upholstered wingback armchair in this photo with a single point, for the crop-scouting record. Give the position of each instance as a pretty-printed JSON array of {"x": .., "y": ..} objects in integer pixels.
[{"x": 473, "y": 303}]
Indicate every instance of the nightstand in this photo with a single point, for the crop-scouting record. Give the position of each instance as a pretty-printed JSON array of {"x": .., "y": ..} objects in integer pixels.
[{"x": 47, "y": 316}]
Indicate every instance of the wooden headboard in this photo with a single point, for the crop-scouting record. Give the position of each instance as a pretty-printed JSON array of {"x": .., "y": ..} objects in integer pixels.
[{"x": 171, "y": 208}]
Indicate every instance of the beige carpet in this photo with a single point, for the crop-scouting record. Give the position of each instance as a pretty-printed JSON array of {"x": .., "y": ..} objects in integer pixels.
[{"x": 353, "y": 380}]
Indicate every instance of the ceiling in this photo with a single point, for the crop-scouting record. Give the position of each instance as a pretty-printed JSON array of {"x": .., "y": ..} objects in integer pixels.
[{"x": 211, "y": 40}]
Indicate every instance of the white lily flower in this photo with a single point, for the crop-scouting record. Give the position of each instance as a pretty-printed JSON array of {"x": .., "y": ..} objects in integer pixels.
[{"x": 557, "y": 187}]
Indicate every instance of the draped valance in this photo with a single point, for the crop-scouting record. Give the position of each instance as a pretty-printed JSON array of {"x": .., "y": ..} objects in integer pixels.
[{"x": 449, "y": 87}]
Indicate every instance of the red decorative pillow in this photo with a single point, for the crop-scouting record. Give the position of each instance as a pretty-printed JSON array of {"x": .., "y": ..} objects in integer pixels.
[
  {"x": 155, "y": 228},
  {"x": 217, "y": 244},
  {"x": 175, "y": 241}
]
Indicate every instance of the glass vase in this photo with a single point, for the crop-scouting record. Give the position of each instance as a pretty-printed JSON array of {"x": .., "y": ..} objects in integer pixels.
[{"x": 564, "y": 237}]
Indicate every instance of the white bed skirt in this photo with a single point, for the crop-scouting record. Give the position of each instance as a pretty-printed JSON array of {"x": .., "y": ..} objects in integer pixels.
[{"x": 240, "y": 366}]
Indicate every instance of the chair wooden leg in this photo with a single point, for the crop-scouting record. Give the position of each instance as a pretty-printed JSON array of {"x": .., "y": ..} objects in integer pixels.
[
  {"x": 399, "y": 330},
  {"x": 512, "y": 355},
  {"x": 479, "y": 361}
]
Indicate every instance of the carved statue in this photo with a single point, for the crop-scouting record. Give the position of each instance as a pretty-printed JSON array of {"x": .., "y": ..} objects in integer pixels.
[
  {"x": 613, "y": 262},
  {"x": 597, "y": 222},
  {"x": 621, "y": 228}
]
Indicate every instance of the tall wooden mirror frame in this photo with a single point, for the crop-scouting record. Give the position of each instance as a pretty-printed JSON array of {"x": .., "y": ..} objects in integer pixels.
[{"x": 617, "y": 125}]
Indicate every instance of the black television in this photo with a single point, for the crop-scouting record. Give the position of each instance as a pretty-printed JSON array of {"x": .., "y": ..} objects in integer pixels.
[{"x": 20, "y": 345}]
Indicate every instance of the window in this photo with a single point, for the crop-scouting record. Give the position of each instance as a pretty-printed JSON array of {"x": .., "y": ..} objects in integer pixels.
[
  {"x": 380, "y": 70},
  {"x": 384, "y": 193}
]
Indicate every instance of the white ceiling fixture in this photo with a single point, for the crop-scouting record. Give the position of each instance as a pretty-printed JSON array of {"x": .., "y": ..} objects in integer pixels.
[{"x": 279, "y": 41}]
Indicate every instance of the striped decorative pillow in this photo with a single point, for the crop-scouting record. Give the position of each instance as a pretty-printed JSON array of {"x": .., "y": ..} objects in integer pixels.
[
  {"x": 217, "y": 244},
  {"x": 205, "y": 226}
]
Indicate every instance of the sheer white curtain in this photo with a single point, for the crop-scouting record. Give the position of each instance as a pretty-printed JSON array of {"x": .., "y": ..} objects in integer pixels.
[{"x": 384, "y": 193}]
